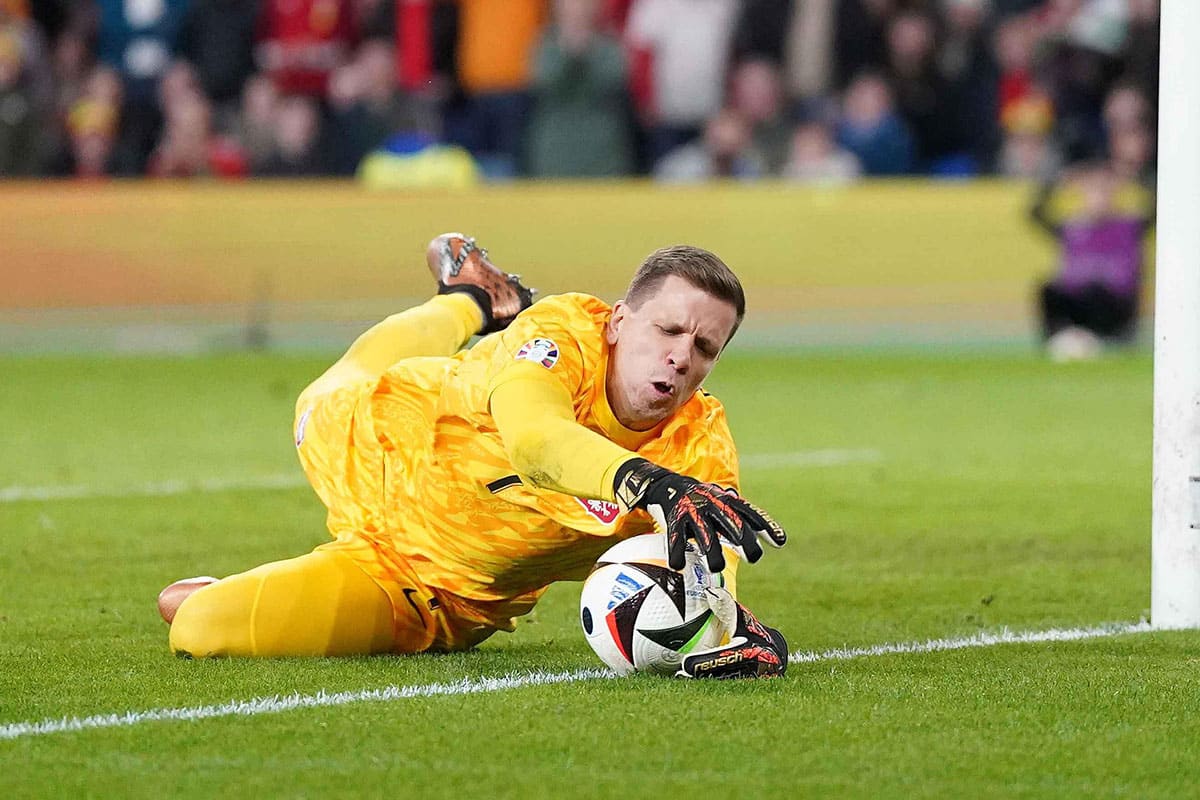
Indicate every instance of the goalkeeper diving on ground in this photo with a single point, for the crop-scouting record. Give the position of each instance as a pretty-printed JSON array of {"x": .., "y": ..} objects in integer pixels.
[{"x": 461, "y": 482}]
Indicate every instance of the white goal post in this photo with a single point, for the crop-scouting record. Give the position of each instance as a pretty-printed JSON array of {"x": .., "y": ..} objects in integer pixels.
[{"x": 1175, "y": 551}]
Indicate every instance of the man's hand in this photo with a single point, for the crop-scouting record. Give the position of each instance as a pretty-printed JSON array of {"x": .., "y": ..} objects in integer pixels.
[
  {"x": 684, "y": 508},
  {"x": 754, "y": 650}
]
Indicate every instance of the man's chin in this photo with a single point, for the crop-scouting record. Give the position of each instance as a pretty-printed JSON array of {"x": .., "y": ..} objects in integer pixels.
[{"x": 654, "y": 413}]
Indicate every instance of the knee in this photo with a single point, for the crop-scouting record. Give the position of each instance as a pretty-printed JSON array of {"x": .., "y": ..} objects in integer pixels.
[{"x": 212, "y": 622}]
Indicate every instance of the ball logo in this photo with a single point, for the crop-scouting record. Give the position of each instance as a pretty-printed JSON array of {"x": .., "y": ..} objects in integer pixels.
[
  {"x": 600, "y": 509},
  {"x": 623, "y": 588},
  {"x": 539, "y": 351}
]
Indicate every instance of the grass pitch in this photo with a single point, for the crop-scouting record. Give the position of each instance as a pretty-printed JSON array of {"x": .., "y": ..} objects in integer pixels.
[{"x": 1006, "y": 492}]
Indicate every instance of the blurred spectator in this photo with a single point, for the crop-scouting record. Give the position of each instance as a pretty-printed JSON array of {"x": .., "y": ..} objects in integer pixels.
[
  {"x": 495, "y": 51},
  {"x": 53, "y": 17},
  {"x": 70, "y": 63},
  {"x": 1096, "y": 291},
  {"x": 1027, "y": 151},
  {"x": 580, "y": 122},
  {"x": 1084, "y": 43},
  {"x": 809, "y": 49},
  {"x": 255, "y": 127},
  {"x": 1128, "y": 125},
  {"x": 614, "y": 15},
  {"x": 138, "y": 40},
  {"x": 815, "y": 156},
  {"x": 973, "y": 81},
  {"x": 24, "y": 96},
  {"x": 301, "y": 42},
  {"x": 189, "y": 147},
  {"x": 966, "y": 63},
  {"x": 1126, "y": 106},
  {"x": 297, "y": 130},
  {"x": 1141, "y": 47},
  {"x": 1013, "y": 44},
  {"x": 92, "y": 126},
  {"x": 756, "y": 92},
  {"x": 761, "y": 29},
  {"x": 860, "y": 38},
  {"x": 366, "y": 108},
  {"x": 678, "y": 74},
  {"x": 923, "y": 96},
  {"x": 376, "y": 19},
  {"x": 871, "y": 129},
  {"x": 178, "y": 84},
  {"x": 218, "y": 39},
  {"x": 1131, "y": 150},
  {"x": 725, "y": 151}
]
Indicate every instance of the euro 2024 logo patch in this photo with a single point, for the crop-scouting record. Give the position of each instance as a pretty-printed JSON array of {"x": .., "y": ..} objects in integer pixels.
[{"x": 539, "y": 351}]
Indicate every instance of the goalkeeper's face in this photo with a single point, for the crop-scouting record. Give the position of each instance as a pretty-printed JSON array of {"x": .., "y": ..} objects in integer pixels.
[{"x": 663, "y": 349}]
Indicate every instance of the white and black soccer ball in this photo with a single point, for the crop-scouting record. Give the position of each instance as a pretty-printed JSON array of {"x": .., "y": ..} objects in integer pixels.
[{"x": 639, "y": 615}]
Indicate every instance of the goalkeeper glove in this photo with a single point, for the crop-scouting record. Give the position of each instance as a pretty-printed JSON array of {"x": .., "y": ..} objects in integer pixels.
[
  {"x": 684, "y": 508},
  {"x": 754, "y": 650}
]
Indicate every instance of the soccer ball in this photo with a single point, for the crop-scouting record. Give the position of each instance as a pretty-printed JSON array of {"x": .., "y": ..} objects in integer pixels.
[{"x": 639, "y": 615}]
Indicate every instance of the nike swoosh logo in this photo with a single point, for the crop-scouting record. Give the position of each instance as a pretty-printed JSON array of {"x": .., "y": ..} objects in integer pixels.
[{"x": 408, "y": 593}]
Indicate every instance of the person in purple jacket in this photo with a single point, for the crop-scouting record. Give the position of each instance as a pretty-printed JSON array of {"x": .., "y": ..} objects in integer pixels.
[{"x": 1096, "y": 292}]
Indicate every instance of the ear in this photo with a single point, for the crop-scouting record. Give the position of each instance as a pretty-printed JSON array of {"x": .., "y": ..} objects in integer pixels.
[{"x": 615, "y": 320}]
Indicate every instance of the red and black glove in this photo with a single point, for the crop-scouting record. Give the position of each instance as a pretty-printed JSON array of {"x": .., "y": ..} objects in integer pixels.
[
  {"x": 754, "y": 650},
  {"x": 685, "y": 508}
]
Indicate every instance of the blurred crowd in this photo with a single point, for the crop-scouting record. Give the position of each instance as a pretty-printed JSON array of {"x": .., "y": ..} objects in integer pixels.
[{"x": 683, "y": 90}]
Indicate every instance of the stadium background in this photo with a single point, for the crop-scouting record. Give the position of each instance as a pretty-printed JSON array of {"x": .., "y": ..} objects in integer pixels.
[
  {"x": 943, "y": 479},
  {"x": 741, "y": 126}
]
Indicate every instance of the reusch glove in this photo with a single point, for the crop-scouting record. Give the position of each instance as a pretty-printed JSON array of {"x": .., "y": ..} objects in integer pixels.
[
  {"x": 684, "y": 508},
  {"x": 754, "y": 650}
]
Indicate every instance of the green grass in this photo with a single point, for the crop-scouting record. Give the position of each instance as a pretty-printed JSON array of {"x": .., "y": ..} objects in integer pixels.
[{"x": 1010, "y": 492}]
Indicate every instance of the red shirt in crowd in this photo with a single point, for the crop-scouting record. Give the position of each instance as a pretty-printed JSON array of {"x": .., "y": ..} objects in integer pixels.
[{"x": 302, "y": 41}]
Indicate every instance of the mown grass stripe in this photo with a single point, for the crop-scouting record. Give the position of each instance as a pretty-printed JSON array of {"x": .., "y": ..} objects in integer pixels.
[
  {"x": 295, "y": 480},
  {"x": 276, "y": 704}
]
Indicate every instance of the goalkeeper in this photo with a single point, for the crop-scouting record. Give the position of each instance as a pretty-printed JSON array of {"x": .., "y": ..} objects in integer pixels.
[{"x": 460, "y": 483}]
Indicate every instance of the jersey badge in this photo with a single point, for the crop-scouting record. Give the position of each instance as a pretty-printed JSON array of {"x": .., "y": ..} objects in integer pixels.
[{"x": 539, "y": 351}]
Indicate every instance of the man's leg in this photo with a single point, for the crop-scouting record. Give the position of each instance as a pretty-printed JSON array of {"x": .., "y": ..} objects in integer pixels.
[
  {"x": 1058, "y": 309},
  {"x": 1107, "y": 313},
  {"x": 320, "y": 604},
  {"x": 438, "y": 327},
  {"x": 474, "y": 296}
]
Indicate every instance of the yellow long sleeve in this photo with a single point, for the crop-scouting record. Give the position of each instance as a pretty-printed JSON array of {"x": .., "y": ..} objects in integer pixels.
[{"x": 547, "y": 446}]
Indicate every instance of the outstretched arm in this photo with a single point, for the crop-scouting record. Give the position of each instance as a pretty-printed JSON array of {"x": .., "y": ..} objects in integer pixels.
[{"x": 535, "y": 415}]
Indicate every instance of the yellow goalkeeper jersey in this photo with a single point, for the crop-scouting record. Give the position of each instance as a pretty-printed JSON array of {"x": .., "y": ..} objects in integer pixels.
[{"x": 420, "y": 472}]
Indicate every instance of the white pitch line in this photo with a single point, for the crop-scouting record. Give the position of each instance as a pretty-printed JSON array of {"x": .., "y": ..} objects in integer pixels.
[
  {"x": 295, "y": 480},
  {"x": 322, "y": 699},
  {"x": 276, "y": 704},
  {"x": 1004, "y": 636}
]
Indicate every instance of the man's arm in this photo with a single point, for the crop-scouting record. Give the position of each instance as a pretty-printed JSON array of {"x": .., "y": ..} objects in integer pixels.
[
  {"x": 1040, "y": 211},
  {"x": 535, "y": 415}
]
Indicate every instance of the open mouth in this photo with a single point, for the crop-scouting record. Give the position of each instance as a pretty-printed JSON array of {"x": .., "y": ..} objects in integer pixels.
[{"x": 663, "y": 388}]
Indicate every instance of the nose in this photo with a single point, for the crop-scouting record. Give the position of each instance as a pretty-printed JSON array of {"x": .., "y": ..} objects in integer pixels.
[{"x": 680, "y": 355}]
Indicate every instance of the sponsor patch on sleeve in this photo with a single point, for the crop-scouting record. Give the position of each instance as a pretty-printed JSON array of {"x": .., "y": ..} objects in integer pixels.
[
  {"x": 539, "y": 351},
  {"x": 601, "y": 510}
]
